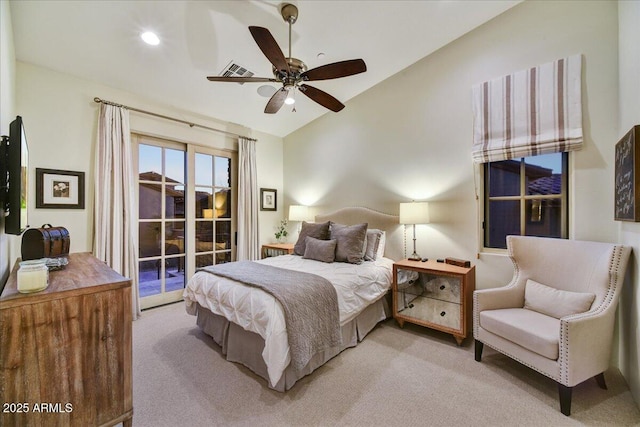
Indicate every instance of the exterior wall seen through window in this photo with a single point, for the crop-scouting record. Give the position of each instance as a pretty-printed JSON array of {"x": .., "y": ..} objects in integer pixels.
[{"x": 526, "y": 196}]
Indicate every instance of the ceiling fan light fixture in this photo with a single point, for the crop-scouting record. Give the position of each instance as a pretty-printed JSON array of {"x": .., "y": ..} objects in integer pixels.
[
  {"x": 291, "y": 95},
  {"x": 291, "y": 72},
  {"x": 150, "y": 38}
]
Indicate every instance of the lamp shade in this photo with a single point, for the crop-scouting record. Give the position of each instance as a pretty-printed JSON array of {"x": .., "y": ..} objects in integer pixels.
[
  {"x": 414, "y": 213},
  {"x": 298, "y": 213}
]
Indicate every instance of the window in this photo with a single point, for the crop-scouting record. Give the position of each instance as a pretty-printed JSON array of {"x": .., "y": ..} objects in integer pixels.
[{"x": 526, "y": 196}]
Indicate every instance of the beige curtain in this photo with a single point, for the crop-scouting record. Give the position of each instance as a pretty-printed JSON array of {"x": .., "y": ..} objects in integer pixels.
[
  {"x": 248, "y": 242},
  {"x": 115, "y": 209}
]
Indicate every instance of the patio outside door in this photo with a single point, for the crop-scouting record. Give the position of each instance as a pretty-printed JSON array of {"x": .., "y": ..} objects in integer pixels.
[
  {"x": 161, "y": 220},
  {"x": 186, "y": 214}
]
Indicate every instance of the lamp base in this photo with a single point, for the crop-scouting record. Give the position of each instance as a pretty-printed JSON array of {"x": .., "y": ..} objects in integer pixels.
[{"x": 415, "y": 257}]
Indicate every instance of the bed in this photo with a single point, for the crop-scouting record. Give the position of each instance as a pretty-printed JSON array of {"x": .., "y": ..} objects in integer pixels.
[{"x": 249, "y": 325}]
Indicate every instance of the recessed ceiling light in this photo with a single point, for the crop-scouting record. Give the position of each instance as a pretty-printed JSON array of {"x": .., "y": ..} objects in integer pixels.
[{"x": 150, "y": 38}]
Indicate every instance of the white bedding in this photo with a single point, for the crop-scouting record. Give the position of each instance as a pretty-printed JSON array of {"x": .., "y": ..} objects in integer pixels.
[{"x": 357, "y": 286}]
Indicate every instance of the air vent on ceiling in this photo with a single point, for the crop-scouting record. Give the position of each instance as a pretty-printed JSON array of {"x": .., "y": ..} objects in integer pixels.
[{"x": 235, "y": 70}]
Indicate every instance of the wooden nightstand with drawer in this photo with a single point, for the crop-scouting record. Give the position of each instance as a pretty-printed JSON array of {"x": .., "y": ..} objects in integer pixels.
[
  {"x": 275, "y": 249},
  {"x": 435, "y": 295}
]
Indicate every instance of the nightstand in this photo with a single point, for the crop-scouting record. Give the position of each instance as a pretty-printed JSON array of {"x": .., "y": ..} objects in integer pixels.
[
  {"x": 435, "y": 295},
  {"x": 275, "y": 249}
]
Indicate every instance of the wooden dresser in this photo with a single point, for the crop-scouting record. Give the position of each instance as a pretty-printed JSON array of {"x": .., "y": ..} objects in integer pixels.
[{"x": 65, "y": 352}]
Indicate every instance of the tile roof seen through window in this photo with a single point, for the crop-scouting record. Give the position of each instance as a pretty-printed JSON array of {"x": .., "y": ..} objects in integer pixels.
[{"x": 546, "y": 185}]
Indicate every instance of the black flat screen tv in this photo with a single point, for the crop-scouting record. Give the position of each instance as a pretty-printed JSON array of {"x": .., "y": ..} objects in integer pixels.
[{"x": 15, "y": 175}]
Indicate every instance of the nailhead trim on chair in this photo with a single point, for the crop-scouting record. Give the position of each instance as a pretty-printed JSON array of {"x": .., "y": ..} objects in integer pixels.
[
  {"x": 514, "y": 280},
  {"x": 476, "y": 315},
  {"x": 614, "y": 264},
  {"x": 546, "y": 374}
]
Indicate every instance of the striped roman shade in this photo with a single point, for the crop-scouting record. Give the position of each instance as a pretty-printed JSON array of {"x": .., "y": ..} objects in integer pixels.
[{"x": 530, "y": 112}]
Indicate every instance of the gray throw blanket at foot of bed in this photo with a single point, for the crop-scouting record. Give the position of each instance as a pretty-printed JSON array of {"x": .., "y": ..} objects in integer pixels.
[{"x": 310, "y": 304}]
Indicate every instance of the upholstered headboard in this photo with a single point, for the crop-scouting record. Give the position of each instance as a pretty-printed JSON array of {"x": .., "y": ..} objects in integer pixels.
[{"x": 394, "y": 247}]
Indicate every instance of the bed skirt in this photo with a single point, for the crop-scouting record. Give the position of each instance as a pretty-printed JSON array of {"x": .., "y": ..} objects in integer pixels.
[{"x": 245, "y": 347}]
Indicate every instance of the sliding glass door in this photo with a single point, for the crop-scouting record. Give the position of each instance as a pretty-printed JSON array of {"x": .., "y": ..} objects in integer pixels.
[{"x": 186, "y": 214}]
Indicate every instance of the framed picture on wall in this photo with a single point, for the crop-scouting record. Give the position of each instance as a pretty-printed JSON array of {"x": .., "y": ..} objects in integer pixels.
[
  {"x": 59, "y": 189},
  {"x": 627, "y": 177},
  {"x": 268, "y": 199}
]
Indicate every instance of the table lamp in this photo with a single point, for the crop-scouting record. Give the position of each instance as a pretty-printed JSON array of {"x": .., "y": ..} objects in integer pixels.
[
  {"x": 298, "y": 213},
  {"x": 414, "y": 213}
]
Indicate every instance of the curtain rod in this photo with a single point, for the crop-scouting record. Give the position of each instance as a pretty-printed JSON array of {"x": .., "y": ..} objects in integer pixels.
[{"x": 102, "y": 101}]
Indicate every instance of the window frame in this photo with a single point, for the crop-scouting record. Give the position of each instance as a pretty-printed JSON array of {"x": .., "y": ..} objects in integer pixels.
[{"x": 523, "y": 198}]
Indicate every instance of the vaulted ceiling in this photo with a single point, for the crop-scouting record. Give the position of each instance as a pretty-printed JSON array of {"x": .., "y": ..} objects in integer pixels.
[{"x": 100, "y": 41}]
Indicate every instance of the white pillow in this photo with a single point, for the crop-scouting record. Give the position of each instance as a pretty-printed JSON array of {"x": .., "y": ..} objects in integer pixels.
[
  {"x": 555, "y": 302},
  {"x": 371, "y": 244},
  {"x": 383, "y": 240}
]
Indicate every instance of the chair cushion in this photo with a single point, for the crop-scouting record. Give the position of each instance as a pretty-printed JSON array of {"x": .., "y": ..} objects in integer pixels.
[
  {"x": 555, "y": 302},
  {"x": 534, "y": 331}
]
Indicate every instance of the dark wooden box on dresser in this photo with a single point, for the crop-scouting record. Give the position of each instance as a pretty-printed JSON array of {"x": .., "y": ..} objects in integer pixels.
[{"x": 65, "y": 352}]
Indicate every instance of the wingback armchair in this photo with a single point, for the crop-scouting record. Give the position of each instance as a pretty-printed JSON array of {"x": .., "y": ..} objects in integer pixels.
[{"x": 557, "y": 314}]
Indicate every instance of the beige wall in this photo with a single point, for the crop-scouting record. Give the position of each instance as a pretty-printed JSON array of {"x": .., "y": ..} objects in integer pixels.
[
  {"x": 60, "y": 119},
  {"x": 270, "y": 175},
  {"x": 7, "y": 114},
  {"x": 410, "y": 136},
  {"x": 629, "y": 313}
]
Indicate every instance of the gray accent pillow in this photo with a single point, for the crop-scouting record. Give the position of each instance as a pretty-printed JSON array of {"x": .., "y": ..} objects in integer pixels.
[
  {"x": 320, "y": 250},
  {"x": 350, "y": 242},
  {"x": 316, "y": 230},
  {"x": 373, "y": 242}
]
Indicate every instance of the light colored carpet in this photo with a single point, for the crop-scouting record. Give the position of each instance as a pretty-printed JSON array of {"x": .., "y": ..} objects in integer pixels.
[{"x": 395, "y": 377}]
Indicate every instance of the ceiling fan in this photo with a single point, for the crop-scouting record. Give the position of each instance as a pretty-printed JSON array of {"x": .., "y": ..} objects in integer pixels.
[{"x": 292, "y": 72}]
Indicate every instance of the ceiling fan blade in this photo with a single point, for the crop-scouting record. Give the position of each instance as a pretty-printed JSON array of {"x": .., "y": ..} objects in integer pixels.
[
  {"x": 269, "y": 47},
  {"x": 322, "y": 98},
  {"x": 276, "y": 101},
  {"x": 240, "y": 79},
  {"x": 335, "y": 70}
]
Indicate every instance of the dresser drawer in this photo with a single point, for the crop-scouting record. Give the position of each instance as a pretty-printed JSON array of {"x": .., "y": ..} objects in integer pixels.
[
  {"x": 442, "y": 313},
  {"x": 442, "y": 288}
]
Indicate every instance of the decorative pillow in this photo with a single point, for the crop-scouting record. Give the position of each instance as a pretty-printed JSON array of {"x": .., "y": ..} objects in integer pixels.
[
  {"x": 381, "y": 245},
  {"x": 316, "y": 230},
  {"x": 373, "y": 241},
  {"x": 320, "y": 250},
  {"x": 555, "y": 302},
  {"x": 350, "y": 242}
]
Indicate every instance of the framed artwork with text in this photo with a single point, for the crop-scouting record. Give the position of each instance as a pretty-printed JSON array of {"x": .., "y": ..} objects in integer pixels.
[{"x": 627, "y": 177}]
